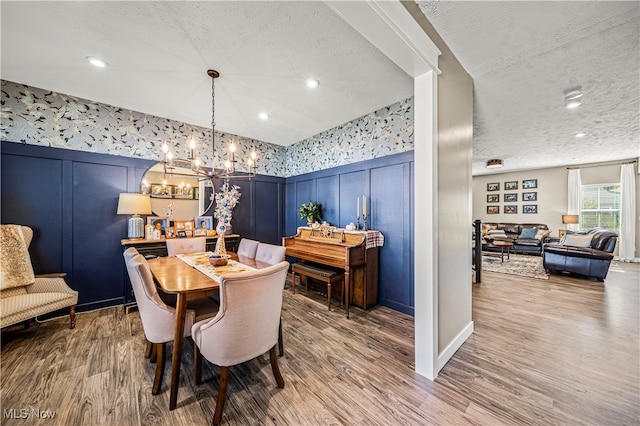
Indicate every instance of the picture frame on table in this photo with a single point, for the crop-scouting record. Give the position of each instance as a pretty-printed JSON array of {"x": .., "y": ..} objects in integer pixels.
[
  {"x": 511, "y": 197},
  {"x": 155, "y": 220},
  {"x": 511, "y": 185},
  {"x": 170, "y": 233},
  {"x": 493, "y": 186},
  {"x": 529, "y": 183},
  {"x": 181, "y": 234},
  {"x": 510, "y": 209},
  {"x": 529, "y": 196},
  {"x": 204, "y": 222},
  {"x": 493, "y": 209},
  {"x": 200, "y": 232},
  {"x": 493, "y": 198},
  {"x": 530, "y": 209}
]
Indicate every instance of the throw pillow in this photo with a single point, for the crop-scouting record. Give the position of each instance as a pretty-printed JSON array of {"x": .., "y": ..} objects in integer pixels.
[
  {"x": 496, "y": 233},
  {"x": 528, "y": 233},
  {"x": 577, "y": 240},
  {"x": 542, "y": 233}
]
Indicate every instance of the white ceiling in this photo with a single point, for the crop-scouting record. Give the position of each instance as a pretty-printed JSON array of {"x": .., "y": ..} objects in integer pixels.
[{"x": 522, "y": 56}]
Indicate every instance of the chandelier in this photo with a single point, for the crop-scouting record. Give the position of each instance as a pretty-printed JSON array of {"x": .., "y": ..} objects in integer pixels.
[{"x": 192, "y": 166}]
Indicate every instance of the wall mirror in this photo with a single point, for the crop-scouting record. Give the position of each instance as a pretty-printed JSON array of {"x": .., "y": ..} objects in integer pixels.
[{"x": 190, "y": 193}]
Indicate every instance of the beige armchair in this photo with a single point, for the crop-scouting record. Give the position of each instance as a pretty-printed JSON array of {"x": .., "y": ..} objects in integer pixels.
[
  {"x": 245, "y": 327},
  {"x": 24, "y": 295}
]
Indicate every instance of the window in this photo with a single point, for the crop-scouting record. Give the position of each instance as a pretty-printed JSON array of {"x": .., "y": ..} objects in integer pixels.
[{"x": 601, "y": 207}]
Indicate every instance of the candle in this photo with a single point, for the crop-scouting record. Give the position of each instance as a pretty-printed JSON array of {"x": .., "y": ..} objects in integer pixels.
[
  {"x": 358, "y": 208},
  {"x": 364, "y": 206}
]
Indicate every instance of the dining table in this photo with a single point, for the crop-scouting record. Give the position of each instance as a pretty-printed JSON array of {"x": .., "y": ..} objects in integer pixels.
[{"x": 174, "y": 276}]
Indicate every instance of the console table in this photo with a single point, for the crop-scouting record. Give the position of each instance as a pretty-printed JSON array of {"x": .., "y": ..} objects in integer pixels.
[{"x": 158, "y": 248}]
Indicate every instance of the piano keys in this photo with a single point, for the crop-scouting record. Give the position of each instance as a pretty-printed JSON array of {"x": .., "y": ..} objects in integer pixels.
[{"x": 348, "y": 252}]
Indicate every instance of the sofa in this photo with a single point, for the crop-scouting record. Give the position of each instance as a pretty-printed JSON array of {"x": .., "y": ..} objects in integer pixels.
[
  {"x": 527, "y": 238},
  {"x": 24, "y": 295},
  {"x": 587, "y": 253}
]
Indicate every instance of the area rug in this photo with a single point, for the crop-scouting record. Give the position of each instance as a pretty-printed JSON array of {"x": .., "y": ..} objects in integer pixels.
[{"x": 521, "y": 265}]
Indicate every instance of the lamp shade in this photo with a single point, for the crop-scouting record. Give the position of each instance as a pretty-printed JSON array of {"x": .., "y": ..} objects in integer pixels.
[
  {"x": 569, "y": 218},
  {"x": 130, "y": 203}
]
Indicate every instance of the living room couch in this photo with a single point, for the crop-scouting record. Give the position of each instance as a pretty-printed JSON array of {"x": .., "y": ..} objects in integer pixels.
[
  {"x": 585, "y": 253},
  {"x": 513, "y": 232}
]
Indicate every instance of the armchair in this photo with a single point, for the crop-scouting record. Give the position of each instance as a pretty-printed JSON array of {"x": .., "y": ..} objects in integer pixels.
[
  {"x": 24, "y": 295},
  {"x": 587, "y": 254},
  {"x": 245, "y": 327}
]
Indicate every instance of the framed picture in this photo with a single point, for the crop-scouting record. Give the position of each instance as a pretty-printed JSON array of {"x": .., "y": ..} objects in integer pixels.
[
  {"x": 495, "y": 186},
  {"x": 183, "y": 192},
  {"x": 510, "y": 186},
  {"x": 158, "y": 223},
  {"x": 183, "y": 225},
  {"x": 529, "y": 196},
  {"x": 204, "y": 222},
  {"x": 510, "y": 209},
  {"x": 493, "y": 209},
  {"x": 529, "y": 183},
  {"x": 159, "y": 190},
  {"x": 196, "y": 193},
  {"x": 181, "y": 234},
  {"x": 170, "y": 233},
  {"x": 511, "y": 198},
  {"x": 493, "y": 198},
  {"x": 530, "y": 209},
  {"x": 200, "y": 232}
]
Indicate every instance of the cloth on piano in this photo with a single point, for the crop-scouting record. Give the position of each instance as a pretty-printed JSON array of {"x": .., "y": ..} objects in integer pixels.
[{"x": 374, "y": 239}]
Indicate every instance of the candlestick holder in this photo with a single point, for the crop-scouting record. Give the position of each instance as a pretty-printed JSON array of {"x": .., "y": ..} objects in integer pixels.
[
  {"x": 358, "y": 223},
  {"x": 364, "y": 222}
]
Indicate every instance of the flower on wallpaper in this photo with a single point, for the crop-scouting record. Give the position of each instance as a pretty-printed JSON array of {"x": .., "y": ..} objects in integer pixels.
[{"x": 226, "y": 200}]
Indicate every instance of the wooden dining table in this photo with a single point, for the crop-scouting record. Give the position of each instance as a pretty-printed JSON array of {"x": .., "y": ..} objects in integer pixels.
[{"x": 176, "y": 277}]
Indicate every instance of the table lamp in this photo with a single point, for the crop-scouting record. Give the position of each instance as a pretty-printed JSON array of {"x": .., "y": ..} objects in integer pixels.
[
  {"x": 569, "y": 219},
  {"x": 134, "y": 204}
]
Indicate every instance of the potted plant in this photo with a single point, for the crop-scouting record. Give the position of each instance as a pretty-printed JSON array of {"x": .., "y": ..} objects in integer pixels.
[{"x": 311, "y": 211}]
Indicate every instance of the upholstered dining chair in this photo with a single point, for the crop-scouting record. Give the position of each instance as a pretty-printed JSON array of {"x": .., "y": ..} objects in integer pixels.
[
  {"x": 248, "y": 248},
  {"x": 269, "y": 253},
  {"x": 186, "y": 245},
  {"x": 245, "y": 327},
  {"x": 158, "y": 319}
]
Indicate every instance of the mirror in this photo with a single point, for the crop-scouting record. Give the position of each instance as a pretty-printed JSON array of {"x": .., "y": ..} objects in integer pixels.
[{"x": 189, "y": 192}]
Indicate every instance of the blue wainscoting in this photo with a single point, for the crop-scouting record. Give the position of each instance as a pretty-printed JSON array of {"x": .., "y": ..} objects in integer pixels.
[
  {"x": 70, "y": 198},
  {"x": 388, "y": 184}
]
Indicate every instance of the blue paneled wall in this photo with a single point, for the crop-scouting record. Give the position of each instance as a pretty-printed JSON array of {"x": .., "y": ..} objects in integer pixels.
[{"x": 388, "y": 184}]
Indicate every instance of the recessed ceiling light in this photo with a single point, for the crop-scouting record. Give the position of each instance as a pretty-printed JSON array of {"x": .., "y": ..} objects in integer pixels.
[
  {"x": 580, "y": 135},
  {"x": 573, "y": 104},
  {"x": 572, "y": 96},
  {"x": 311, "y": 83},
  {"x": 96, "y": 62},
  {"x": 263, "y": 116}
]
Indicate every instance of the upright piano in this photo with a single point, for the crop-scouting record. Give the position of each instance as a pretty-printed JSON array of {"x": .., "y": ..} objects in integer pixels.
[{"x": 347, "y": 251}]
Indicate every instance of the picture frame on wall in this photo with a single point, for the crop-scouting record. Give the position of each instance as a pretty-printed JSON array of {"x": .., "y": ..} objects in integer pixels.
[
  {"x": 529, "y": 196},
  {"x": 510, "y": 209},
  {"x": 511, "y": 197},
  {"x": 510, "y": 186},
  {"x": 493, "y": 198},
  {"x": 493, "y": 186},
  {"x": 530, "y": 209},
  {"x": 493, "y": 209},
  {"x": 529, "y": 183}
]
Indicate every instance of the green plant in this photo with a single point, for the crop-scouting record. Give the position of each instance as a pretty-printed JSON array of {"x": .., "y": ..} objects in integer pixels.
[{"x": 311, "y": 211}]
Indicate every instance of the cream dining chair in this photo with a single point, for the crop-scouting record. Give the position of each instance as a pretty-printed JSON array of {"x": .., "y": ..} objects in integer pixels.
[
  {"x": 269, "y": 253},
  {"x": 245, "y": 327},
  {"x": 186, "y": 245},
  {"x": 248, "y": 248}
]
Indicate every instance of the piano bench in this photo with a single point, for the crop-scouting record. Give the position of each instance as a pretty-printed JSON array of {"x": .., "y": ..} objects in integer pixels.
[{"x": 327, "y": 276}]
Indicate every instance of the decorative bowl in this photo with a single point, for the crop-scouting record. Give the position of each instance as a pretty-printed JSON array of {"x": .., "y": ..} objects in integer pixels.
[{"x": 219, "y": 260}]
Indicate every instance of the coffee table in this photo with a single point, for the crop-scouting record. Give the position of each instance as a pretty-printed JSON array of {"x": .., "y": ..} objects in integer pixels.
[{"x": 503, "y": 245}]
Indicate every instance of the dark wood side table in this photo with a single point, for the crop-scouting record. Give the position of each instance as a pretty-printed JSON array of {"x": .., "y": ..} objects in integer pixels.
[{"x": 503, "y": 245}]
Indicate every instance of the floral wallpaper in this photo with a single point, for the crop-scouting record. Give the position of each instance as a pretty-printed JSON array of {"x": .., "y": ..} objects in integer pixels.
[{"x": 40, "y": 117}]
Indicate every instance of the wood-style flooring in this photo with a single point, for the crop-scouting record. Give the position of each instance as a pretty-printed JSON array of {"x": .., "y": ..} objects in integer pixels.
[{"x": 563, "y": 351}]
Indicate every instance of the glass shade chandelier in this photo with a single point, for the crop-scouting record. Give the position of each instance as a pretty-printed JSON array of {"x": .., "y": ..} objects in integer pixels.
[{"x": 176, "y": 166}]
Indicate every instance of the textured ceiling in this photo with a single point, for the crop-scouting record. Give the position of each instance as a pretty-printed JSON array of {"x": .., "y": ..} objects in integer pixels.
[
  {"x": 159, "y": 53},
  {"x": 522, "y": 56}
]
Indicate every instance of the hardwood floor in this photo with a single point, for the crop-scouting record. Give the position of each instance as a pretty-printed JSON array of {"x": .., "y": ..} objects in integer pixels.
[{"x": 563, "y": 351}]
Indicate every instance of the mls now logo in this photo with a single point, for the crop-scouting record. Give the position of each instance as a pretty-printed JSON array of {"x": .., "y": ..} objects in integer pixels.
[{"x": 23, "y": 413}]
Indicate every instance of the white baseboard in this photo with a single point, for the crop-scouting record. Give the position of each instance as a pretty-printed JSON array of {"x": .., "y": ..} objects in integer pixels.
[
  {"x": 455, "y": 344},
  {"x": 634, "y": 260}
]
